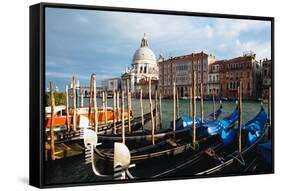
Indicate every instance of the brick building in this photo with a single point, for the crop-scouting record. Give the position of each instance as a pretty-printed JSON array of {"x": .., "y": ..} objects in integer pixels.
[
  {"x": 245, "y": 69},
  {"x": 180, "y": 70}
]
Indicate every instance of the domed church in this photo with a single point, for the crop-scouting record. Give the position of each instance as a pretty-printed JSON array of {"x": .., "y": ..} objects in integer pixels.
[{"x": 144, "y": 65}]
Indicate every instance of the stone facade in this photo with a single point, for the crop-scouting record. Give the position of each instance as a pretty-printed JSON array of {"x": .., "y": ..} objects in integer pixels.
[
  {"x": 245, "y": 69},
  {"x": 181, "y": 70}
]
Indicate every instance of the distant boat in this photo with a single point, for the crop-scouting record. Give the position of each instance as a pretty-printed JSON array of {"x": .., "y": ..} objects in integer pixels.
[
  {"x": 224, "y": 98},
  {"x": 185, "y": 98}
]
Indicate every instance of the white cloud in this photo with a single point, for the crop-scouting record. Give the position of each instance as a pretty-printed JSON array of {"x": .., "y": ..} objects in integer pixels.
[
  {"x": 186, "y": 35},
  {"x": 262, "y": 50}
]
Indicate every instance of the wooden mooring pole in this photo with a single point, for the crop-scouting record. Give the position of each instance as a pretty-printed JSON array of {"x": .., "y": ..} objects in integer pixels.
[
  {"x": 214, "y": 101},
  {"x": 174, "y": 112},
  {"x": 103, "y": 105},
  {"x": 52, "y": 133},
  {"x": 177, "y": 104},
  {"x": 156, "y": 109},
  {"x": 106, "y": 117},
  {"x": 74, "y": 103},
  {"x": 114, "y": 110},
  {"x": 240, "y": 115},
  {"x": 117, "y": 105},
  {"x": 67, "y": 108},
  {"x": 129, "y": 111},
  {"x": 151, "y": 110},
  {"x": 160, "y": 110},
  {"x": 141, "y": 109},
  {"x": 190, "y": 101},
  {"x": 95, "y": 103},
  {"x": 90, "y": 100},
  {"x": 127, "y": 94},
  {"x": 123, "y": 117},
  {"x": 201, "y": 105},
  {"x": 194, "y": 112}
]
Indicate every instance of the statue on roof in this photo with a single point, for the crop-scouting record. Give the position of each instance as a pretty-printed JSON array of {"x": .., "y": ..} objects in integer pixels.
[{"x": 144, "y": 41}]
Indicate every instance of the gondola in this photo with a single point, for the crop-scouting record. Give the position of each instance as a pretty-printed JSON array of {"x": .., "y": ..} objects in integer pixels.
[
  {"x": 60, "y": 117},
  {"x": 65, "y": 136},
  {"x": 186, "y": 122},
  {"x": 103, "y": 158},
  {"x": 224, "y": 157},
  {"x": 144, "y": 137},
  {"x": 253, "y": 134}
]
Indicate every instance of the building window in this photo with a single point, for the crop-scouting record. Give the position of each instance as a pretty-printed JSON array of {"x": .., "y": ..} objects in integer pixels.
[{"x": 144, "y": 71}]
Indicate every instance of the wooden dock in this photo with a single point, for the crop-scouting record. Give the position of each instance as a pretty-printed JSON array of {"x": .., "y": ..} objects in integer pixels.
[{"x": 63, "y": 150}]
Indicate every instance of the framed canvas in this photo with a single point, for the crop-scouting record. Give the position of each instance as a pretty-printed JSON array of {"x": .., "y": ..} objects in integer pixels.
[{"x": 123, "y": 95}]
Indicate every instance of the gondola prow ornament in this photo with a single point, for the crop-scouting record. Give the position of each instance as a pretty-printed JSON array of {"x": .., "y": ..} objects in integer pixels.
[
  {"x": 90, "y": 138},
  {"x": 83, "y": 124},
  {"x": 122, "y": 156},
  {"x": 122, "y": 159}
]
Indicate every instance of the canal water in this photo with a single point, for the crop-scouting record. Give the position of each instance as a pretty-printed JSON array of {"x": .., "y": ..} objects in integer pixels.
[{"x": 249, "y": 108}]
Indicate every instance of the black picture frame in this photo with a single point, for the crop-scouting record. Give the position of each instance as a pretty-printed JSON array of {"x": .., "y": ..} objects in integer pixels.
[{"x": 37, "y": 87}]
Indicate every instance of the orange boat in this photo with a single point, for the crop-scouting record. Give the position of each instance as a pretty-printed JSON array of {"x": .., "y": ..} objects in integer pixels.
[{"x": 60, "y": 115}]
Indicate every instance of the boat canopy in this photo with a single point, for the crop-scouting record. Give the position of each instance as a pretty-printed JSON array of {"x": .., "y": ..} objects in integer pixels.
[{"x": 57, "y": 109}]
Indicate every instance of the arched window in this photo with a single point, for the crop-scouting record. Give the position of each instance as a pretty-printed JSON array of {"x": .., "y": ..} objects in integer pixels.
[
  {"x": 141, "y": 69},
  {"x": 144, "y": 71}
]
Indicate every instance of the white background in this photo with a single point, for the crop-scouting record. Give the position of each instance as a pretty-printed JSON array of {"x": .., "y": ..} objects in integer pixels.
[{"x": 14, "y": 72}]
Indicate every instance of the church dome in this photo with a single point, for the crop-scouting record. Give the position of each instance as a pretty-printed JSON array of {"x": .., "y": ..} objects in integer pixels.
[{"x": 144, "y": 52}]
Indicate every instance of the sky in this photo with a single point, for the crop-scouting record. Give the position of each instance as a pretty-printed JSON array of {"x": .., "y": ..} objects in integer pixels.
[{"x": 82, "y": 42}]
